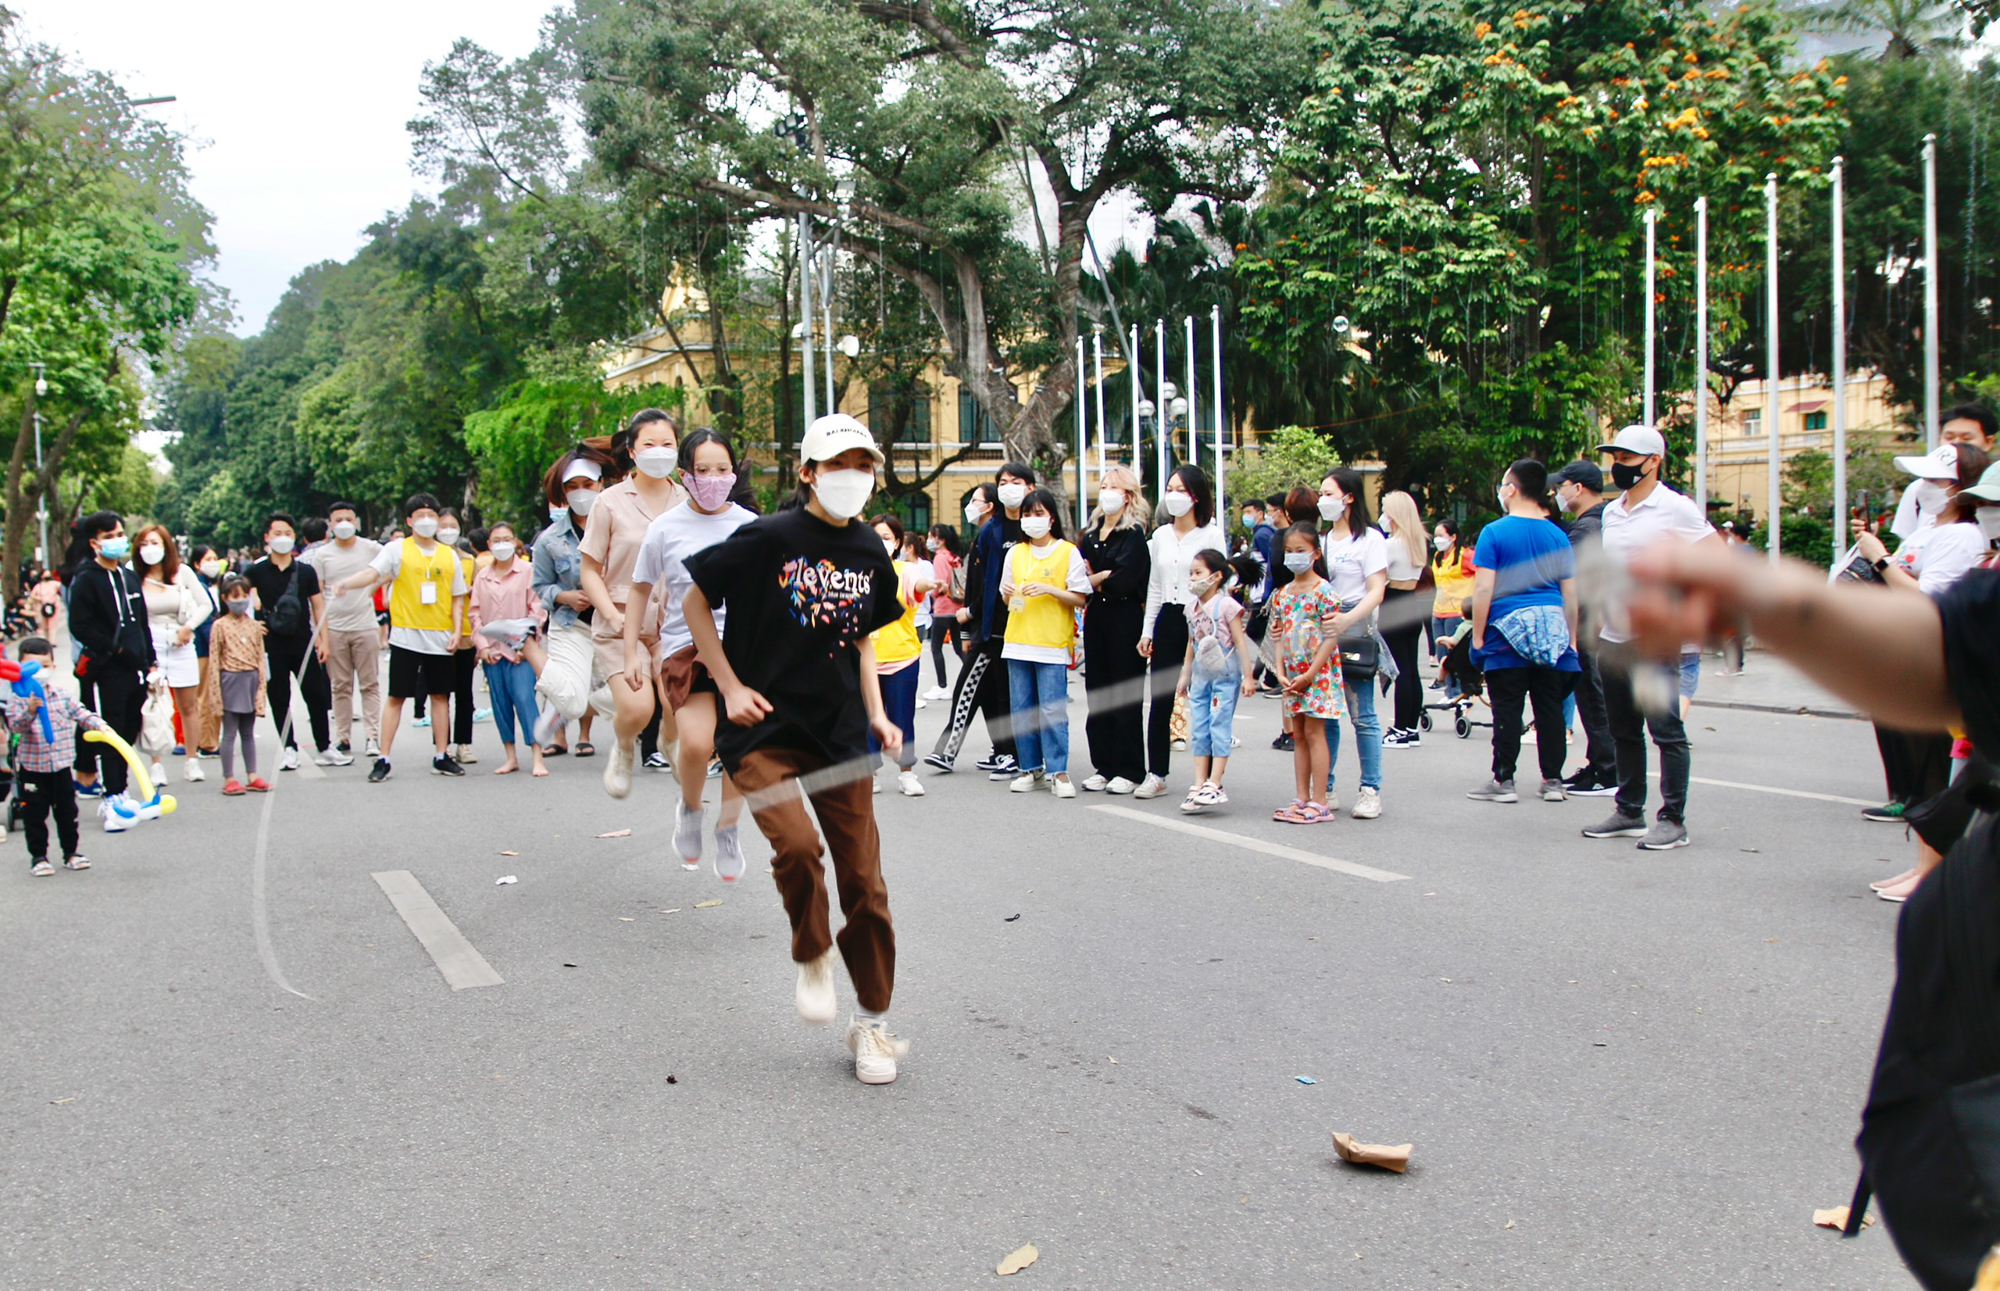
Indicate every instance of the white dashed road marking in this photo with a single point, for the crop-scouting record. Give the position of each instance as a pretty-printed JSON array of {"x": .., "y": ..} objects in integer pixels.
[
  {"x": 1258, "y": 845},
  {"x": 462, "y": 966}
]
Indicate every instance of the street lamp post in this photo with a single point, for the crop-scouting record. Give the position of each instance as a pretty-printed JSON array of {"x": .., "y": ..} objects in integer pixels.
[{"x": 41, "y": 493}]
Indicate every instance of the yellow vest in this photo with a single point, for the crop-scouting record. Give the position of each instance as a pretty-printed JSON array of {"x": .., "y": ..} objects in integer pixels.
[
  {"x": 1041, "y": 620},
  {"x": 897, "y": 643},
  {"x": 406, "y": 605}
]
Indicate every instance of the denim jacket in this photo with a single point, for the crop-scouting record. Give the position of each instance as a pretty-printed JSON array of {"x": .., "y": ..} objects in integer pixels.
[{"x": 558, "y": 567}]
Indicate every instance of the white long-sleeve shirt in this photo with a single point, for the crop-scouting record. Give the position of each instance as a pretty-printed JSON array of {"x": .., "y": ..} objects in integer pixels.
[{"x": 1173, "y": 554}]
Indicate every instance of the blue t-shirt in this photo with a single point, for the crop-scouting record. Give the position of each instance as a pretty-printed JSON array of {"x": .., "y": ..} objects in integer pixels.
[{"x": 1529, "y": 559}]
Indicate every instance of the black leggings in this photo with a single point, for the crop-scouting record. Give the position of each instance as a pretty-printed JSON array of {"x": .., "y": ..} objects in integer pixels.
[
  {"x": 939, "y": 627},
  {"x": 1170, "y": 643},
  {"x": 465, "y": 665},
  {"x": 1403, "y": 642}
]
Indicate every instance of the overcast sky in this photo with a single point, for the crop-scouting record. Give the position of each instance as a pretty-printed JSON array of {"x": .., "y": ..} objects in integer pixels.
[{"x": 297, "y": 114}]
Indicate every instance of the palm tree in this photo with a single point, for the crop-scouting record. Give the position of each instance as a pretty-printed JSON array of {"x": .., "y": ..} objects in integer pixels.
[{"x": 1914, "y": 28}]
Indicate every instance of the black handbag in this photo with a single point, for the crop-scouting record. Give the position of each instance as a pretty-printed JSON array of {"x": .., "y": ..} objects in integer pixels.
[
  {"x": 1360, "y": 655},
  {"x": 1942, "y": 819}
]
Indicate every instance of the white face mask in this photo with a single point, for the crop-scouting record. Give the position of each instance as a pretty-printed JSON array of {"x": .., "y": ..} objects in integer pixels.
[
  {"x": 210, "y": 568},
  {"x": 1989, "y": 522},
  {"x": 281, "y": 545},
  {"x": 1179, "y": 504},
  {"x": 1931, "y": 497},
  {"x": 152, "y": 554},
  {"x": 843, "y": 493},
  {"x": 425, "y": 528},
  {"x": 449, "y": 537},
  {"x": 932, "y": 544},
  {"x": 1111, "y": 501},
  {"x": 656, "y": 463},
  {"x": 503, "y": 552},
  {"x": 1442, "y": 544},
  {"x": 343, "y": 530},
  {"x": 1331, "y": 508},
  {"x": 1501, "y": 494},
  {"x": 890, "y": 545},
  {"x": 581, "y": 501},
  {"x": 1012, "y": 494},
  {"x": 1035, "y": 526},
  {"x": 973, "y": 511},
  {"x": 1298, "y": 561}
]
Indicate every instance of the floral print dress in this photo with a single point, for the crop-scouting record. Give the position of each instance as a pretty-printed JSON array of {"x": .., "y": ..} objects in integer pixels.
[{"x": 1299, "y": 622}]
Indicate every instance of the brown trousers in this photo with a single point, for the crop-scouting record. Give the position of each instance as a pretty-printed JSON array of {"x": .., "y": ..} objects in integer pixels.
[{"x": 847, "y": 813}]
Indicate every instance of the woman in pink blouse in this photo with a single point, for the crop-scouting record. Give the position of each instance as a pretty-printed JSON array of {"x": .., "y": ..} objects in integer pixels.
[{"x": 506, "y": 615}]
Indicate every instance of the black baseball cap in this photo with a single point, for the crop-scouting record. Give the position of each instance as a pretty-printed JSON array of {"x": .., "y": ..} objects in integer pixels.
[{"x": 1588, "y": 474}]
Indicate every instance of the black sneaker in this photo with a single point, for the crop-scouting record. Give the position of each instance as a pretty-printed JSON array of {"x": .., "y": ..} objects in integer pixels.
[
  {"x": 940, "y": 761},
  {"x": 442, "y": 764},
  {"x": 1403, "y": 739},
  {"x": 1282, "y": 744},
  {"x": 1585, "y": 785},
  {"x": 345, "y": 747},
  {"x": 656, "y": 761},
  {"x": 1889, "y": 813},
  {"x": 1004, "y": 768},
  {"x": 993, "y": 761},
  {"x": 379, "y": 772}
]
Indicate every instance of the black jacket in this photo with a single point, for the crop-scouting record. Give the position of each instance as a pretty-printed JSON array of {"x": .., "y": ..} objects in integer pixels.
[
  {"x": 107, "y": 616},
  {"x": 1588, "y": 525}
]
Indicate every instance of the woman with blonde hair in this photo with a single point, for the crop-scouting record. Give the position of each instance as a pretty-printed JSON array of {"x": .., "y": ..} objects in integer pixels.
[
  {"x": 1402, "y": 616},
  {"x": 1120, "y": 564}
]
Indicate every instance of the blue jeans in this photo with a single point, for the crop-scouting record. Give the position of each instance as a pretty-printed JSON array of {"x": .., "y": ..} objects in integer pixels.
[
  {"x": 899, "y": 705},
  {"x": 512, "y": 687},
  {"x": 1212, "y": 712},
  {"x": 1038, "y": 694},
  {"x": 1367, "y": 736}
]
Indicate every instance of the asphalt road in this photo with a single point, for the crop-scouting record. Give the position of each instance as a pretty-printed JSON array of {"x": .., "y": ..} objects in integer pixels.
[{"x": 1618, "y": 1069}]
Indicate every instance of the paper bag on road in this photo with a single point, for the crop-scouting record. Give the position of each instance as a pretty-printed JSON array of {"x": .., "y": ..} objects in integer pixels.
[
  {"x": 1376, "y": 1154},
  {"x": 1019, "y": 1260}
]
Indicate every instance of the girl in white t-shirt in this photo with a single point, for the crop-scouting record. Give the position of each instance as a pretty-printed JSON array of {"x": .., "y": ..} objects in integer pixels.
[
  {"x": 1357, "y": 564},
  {"x": 660, "y": 583}
]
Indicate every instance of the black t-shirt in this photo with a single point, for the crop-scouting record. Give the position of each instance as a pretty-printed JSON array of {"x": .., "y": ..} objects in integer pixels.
[
  {"x": 270, "y": 583},
  {"x": 802, "y": 594},
  {"x": 1971, "y": 612}
]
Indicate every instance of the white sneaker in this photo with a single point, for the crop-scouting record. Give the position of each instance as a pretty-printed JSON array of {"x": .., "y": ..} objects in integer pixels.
[
  {"x": 373, "y": 749},
  {"x": 159, "y": 773},
  {"x": 921, "y": 703},
  {"x": 814, "y": 993},
  {"x": 1118, "y": 784},
  {"x": 117, "y": 813},
  {"x": 687, "y": 835},
  {"x": 547, "y": 724},
  {"x": 729, "y": 862},
  {"x": 875, "y": 786},
  {"x": 1367, "y": 804},
  {"x": 911, "y": 786},
  {"x": 1063, "y": 787},
  {"x": 333, "y": 757},
  {"x": 1026, "y": 782},
  {"x": 875, "y": 1050},
  {"x": 937, "y": 692},
  {"x": 1151, "y": 787},
  {"x": 194, "y": 771},
  {"x": 1095, "y": 784},
  {"x": 618, "y": 769},
  {"x": 289, "y": 761}
]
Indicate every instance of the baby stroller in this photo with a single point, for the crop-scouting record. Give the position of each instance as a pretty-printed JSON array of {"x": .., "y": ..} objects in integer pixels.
[
  {"x": 8, "y": 782},
  {"x": 1471, "y": 681}
]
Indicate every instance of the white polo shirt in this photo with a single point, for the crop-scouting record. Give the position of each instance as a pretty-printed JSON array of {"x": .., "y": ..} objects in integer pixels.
[{"x": 1631, "y": 528}]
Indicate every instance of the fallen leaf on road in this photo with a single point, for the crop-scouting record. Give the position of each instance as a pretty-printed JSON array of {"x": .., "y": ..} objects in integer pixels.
[
  {"x": 58, "y": 1102},
  {"x": 1011, "y": 918},
  {"x": 617, "y": 833},
  {"x": 1746, "y": 849},
  {"x": 1599, "y": 1044},
  {"x": 625, "y": 918},
  {"x": 1389, "y": 1158},
  {"x": 706, "y": 905},
  {"x": 1508, "y": 1224},
  {"x": 672, "y": 1081},
  {"x": 1019, "y": 1260},
  {"x": 675, "y": 910},
  {"x": 510, "y": 853},
  {"x": 1836, "y": 1217},
  {"x": 504, "y": 879},
  {"x": 1113, "y": 1061},
  {"x": 569, "y": 965}
]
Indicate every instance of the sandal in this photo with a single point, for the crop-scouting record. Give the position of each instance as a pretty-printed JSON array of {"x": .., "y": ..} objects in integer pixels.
[
  {"x": 1292, "y": 815},
  {"x": 41, "y": 869},
  {"x": 585, "y": 748},
  {"x": 556, "y": 751},
  {"x": 76, "y": 863},
  {"x": 1314, "y": 813}
]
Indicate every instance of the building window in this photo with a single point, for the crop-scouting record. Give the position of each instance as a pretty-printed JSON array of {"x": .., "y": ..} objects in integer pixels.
[
  {"x": 974, "y": 425},
  {"x": 1753, "y": 422},
  {"x": 917, "y": 513},
  {"x": 900, "y": 413},
  {"x": 1815, "y": 421}
]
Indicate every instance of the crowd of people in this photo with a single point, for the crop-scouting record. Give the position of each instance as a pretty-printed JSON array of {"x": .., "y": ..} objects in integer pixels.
[{"x": 784, "y": 654}]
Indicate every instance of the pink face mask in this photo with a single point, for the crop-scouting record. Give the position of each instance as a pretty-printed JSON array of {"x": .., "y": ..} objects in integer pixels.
[{"x": 710, "y": 491}]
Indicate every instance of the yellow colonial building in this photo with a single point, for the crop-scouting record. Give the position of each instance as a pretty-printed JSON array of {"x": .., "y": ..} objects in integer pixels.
[{"x": 1739, "y": 451}]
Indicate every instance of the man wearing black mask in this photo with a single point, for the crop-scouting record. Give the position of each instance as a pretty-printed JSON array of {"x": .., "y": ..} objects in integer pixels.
[{"x": 1647, "y": 512}]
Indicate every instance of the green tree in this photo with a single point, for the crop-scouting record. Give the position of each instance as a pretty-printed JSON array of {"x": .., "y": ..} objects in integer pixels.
[{"x": 1288, "y": 457}]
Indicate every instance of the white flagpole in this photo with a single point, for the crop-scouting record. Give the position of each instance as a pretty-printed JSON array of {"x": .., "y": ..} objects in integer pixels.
[
  {"x": 811, "y": 394},
  {"x": 1215, "y": 412},
  {"x": 1082, "y": 454},
  {"x": 1097, "y": 348},
  {"x": 1137, "y": 394},
  {"x": 1930, "y": 294},
  {"x": 1652, "y": 221},
  {"x": 1163, "y": 417},
  {"x": 1774, "y": 498},
  {"x": 1839, "y": 358},
  {"x": 1701, "y": 353},
  {"x": 1193, "y": 398}
]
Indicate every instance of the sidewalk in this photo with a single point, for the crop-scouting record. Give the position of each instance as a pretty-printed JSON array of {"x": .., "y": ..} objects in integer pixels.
[{"x": 1768, "y": 685}]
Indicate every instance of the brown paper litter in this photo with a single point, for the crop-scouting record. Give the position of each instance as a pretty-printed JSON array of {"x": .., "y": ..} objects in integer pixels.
[
  {"x": 1019, "y": 1260},
  {"x": 1836, "y": 1217},
  {"x": 1389, "y": 1158}
]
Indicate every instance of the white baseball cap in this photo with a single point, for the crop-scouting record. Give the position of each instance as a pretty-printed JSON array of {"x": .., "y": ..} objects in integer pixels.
[
  {"x": 1643, "y": 440},
  {"x": 1941, "y": 463},
  {"x": 1988, "y": 488},
  {"x": 582, "y": 468},
  {"x": 832, "y": 435}
]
